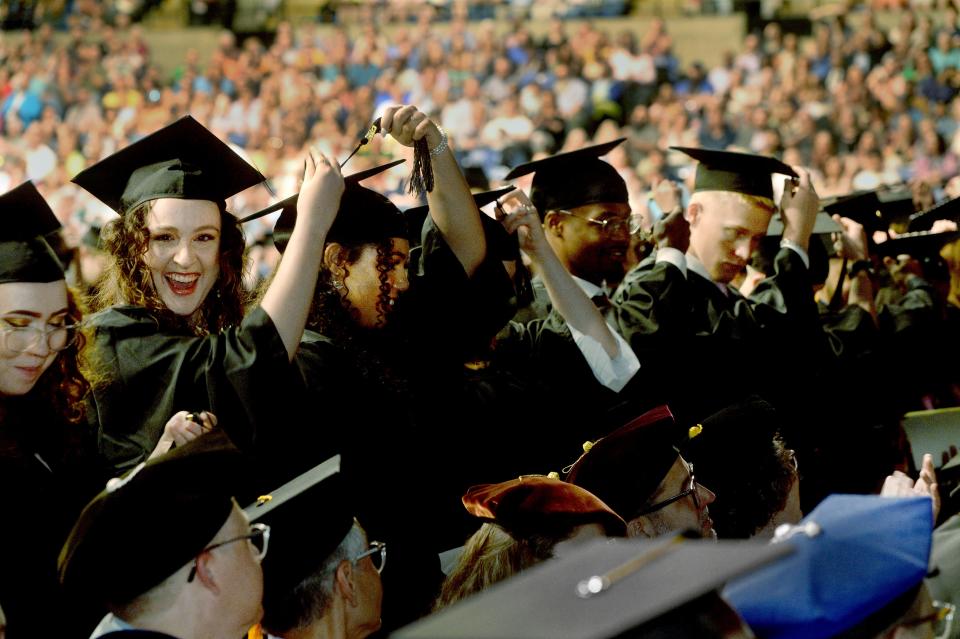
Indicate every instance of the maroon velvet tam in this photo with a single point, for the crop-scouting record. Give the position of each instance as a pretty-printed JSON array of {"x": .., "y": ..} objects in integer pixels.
[{"x": 539, "y": 505}]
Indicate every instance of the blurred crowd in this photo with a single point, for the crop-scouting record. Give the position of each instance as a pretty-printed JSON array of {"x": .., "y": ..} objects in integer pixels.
[{"x": 861, "y": 106}]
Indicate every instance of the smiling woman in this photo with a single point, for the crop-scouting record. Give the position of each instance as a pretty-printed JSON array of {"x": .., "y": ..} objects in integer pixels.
[{"x": 170, "y": 331}]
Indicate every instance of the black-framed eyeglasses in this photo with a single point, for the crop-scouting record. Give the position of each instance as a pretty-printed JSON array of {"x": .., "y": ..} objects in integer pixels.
[
  {"x": 22, "y": 338},
  {"x": 941, "y": 619},
  {"x": 259, "y": 538},
  {"x": 611, "y": 225},
  {"x": 692, "y": 489},
  {"x": 377, "y": 552}
]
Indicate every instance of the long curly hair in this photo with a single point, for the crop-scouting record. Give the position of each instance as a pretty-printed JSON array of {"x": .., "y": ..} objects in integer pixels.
[
  {"x": 332, "y": 315},
  {"x": 63, "y": 386},
  {"x": 127, "y": 280}
]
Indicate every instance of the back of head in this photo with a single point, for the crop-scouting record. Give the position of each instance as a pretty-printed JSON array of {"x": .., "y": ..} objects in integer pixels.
[{"x": 151, "y": 522}]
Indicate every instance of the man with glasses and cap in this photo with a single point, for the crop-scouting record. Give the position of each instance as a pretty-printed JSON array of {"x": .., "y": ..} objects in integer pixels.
[
  {"x": 166, "y": 549},
  {"x": 638, "y": 472},
  {"x": 323, "y": 579}
]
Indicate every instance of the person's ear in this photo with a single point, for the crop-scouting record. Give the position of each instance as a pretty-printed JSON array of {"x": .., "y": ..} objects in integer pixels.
[
  {"x": 640, "y": 528},
  {"x": 693, "y": 213},
  {"x": 343, "y": 580},
  {"x": 205, "y": 573},
  {"x": 334, "y": 258},
  {"x": 553, "y": 224}
]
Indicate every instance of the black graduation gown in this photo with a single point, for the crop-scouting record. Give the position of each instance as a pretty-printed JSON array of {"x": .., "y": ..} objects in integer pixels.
[
  {"x": 48, "y": 471},
  {"x": 388, "y": 402},
  {"x": 150, "y": 374}
]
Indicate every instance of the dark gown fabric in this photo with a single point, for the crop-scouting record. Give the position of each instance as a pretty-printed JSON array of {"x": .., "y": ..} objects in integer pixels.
[
  {"x": 701, "y": 349},
  {"x": 151, "y": 374},
  {"x": 390, "y": 402},
  {"x": 48, "y": 470}
]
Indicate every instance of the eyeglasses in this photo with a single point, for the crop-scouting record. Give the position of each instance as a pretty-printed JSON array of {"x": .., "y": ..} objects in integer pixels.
[
  {"x": 259, "y": 538},
  {"x": 941, "y": 619},
  {"x": 691, "y": 490},
  {"x": 377, "y": 554},
  {"x": 611, "y": 225},
  {"x": 22, "y": 338}
]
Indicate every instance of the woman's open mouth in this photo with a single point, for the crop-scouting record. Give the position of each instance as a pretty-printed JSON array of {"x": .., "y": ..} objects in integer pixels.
[{"x": 182, "y": 283}]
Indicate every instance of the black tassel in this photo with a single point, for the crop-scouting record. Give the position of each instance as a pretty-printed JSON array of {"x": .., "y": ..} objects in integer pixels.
[{"x": 421, "y": 179}]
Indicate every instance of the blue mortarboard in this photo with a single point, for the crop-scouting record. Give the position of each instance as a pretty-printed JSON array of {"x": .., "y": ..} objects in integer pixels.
[{"x": 854, "y": 555}]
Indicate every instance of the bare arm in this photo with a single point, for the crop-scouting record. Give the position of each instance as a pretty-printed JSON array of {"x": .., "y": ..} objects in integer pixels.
[
  {"x": 451, "y": 205},
  {"x": 288, "y": 299},
  {"x": 567, "y": 297}
]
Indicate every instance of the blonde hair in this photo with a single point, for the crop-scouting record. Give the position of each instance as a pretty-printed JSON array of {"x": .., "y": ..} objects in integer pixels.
[{"x": 709, "y": 199}]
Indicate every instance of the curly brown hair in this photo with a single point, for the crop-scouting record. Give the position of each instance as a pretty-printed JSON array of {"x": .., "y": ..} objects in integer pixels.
[
  {"x": 127, "y": 280},
  {"x": 63, "y": 386}
]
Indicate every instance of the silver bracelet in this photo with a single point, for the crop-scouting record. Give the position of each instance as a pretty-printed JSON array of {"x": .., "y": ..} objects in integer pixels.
[{"x": 440, "y": 148}]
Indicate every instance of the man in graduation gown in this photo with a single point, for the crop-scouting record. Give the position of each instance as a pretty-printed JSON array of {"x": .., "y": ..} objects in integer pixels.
[{"x": 701, "y": 343}]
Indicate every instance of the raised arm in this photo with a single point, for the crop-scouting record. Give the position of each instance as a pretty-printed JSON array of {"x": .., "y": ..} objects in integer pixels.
[
  {"x": 287, "y": 301},
  {"x": 567, "y": 297},
  {"x": 451, "y": 205}
]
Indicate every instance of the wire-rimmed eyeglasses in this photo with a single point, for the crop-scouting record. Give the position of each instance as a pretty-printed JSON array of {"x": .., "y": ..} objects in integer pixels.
[
  {"x": 22, "y": 338},
  {"x": 377, "y": 553},
  {"x": 259, "y": 538},
  {"x": 611, "y": 225},
  {"x": 692, "y": 489}
]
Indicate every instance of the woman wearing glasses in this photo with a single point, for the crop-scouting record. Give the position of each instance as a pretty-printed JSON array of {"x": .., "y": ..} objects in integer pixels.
[{"x": 45, "y": 452}]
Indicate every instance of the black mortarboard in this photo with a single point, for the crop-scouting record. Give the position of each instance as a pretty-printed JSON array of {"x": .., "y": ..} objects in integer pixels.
[
  {"x": 923, "y": 221},
  {"x": 308, "y": 517},
  {"x": 876, "y": 210},
  {"x": 626, "y": 467},
  {"x": 922, "y": 244},
  {"x": 364, "y": 215},
  {"x": 182, "y": 160},
  {"x": 540, "y": 505},
  {"x": 645, "y": 582},
  {"x": 495, "y": 233},
  {"x": 823, "y": 224},
  {"x": 25, "y": 256},
  {"x": 151, "y": 522},
  {"x": 738, "y": 172},
  {"x": 572, "y": 179}
]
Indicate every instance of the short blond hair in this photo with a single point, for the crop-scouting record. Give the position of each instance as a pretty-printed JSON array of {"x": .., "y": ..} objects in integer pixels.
[{"x": 709, "y": 199}]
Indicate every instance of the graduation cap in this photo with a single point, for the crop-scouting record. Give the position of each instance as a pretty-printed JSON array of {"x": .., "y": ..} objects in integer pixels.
[
  {"x": 572, "y": 179},
  {"x": 182, "y": 160},
  {"x": 604, "y": 589},
  {"x": 152, "y": 521},
  {"x": 308, "y": 517},
  {"x": 498, "y": 239},
  {"x": 923, "y": 221},
  {"x": 737, "y": 172},
  {"x": 823, "y": 225},
  {"x": 364, "y": 215},
  {"x": 25, "y": 256},
  {"x": 876, "y": 210},
  {"x": 538, "y": 505},
  {"x": 626, "y": 467},
  {"x": 921, "y": 245},
  {"x": 854, "y": 555}
]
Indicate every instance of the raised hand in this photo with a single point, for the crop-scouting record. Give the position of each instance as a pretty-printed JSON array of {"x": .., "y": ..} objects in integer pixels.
[
  {"x": 320, "y": 193},
  {"x": 407, "y": 125}
]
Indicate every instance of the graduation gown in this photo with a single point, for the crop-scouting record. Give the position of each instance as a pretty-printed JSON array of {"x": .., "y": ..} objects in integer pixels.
[
  {"x": 388, "y": 401},
  {"x": 49, "y": 471},
  {"x": 150, "y": 374}
]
